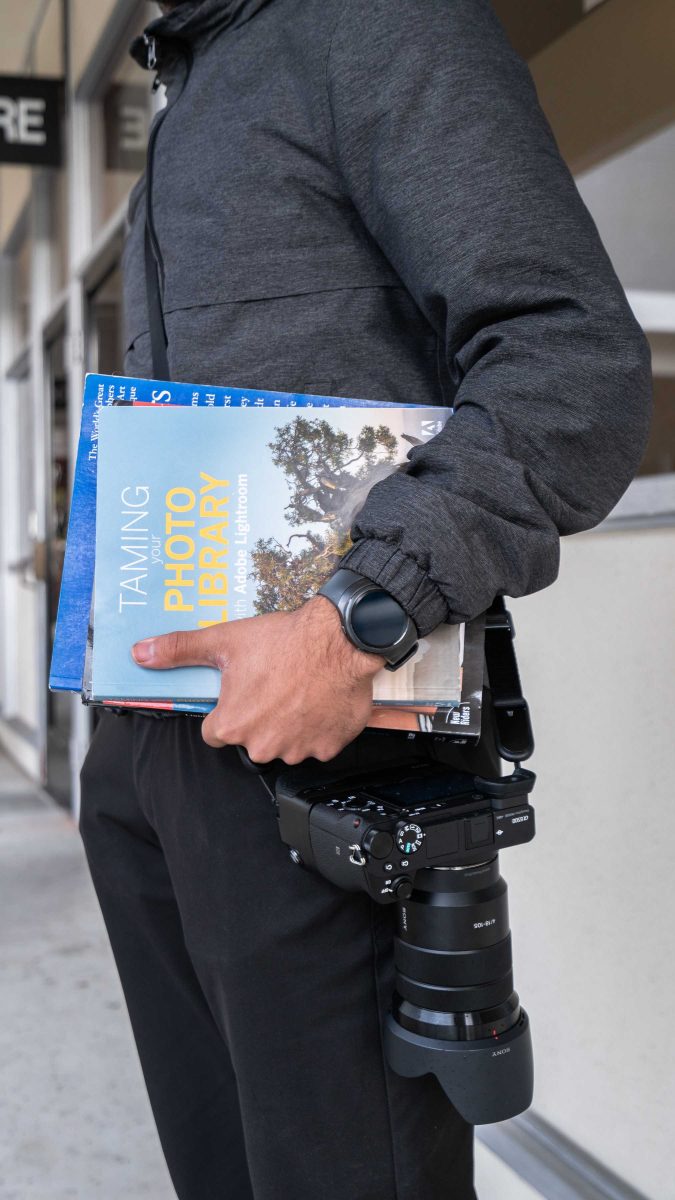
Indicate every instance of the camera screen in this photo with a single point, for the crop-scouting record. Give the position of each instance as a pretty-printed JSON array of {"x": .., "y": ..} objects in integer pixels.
[{"x": 423, "y": 789}]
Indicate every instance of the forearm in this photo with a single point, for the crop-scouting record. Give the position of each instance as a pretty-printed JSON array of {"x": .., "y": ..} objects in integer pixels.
[{"x": 484, "y": 505}]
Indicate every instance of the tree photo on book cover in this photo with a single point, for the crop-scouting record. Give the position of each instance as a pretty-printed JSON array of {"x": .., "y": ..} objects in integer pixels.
[{"x": 329, "y": 474}]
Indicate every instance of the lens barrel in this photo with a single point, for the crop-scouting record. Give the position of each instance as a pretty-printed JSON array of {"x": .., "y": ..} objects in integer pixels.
[{"x": 454, "y": 995}]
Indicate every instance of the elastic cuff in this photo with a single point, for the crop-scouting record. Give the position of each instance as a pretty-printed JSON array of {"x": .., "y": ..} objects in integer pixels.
[{"x": 403, "y": 577}]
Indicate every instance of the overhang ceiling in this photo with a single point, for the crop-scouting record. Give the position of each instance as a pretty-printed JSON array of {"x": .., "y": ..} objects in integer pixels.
[{"x": 16, "y": 23}]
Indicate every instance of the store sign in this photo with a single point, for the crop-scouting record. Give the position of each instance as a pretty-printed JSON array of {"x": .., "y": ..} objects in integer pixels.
[
  {"x": 30, "y": 120},
  {"x": 126, "y": 119}
]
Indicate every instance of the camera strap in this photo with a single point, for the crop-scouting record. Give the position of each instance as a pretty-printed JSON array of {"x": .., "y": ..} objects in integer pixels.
[
  {"x": 158, "y": 336},
  {"x": 513, "y": 729}
]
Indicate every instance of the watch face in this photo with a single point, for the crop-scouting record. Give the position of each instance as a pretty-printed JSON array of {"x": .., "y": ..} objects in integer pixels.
[{"x": 378, "y": 620}]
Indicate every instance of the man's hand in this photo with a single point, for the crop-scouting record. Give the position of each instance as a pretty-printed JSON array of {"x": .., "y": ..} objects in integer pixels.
[{"x": 292, "y": 686}]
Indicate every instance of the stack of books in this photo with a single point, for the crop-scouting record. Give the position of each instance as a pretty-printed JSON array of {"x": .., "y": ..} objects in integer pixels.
[{"x": 195, "y": 505}]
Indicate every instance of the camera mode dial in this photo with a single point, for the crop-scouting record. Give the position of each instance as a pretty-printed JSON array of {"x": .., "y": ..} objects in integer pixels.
[{"x": 409, "y": 838}]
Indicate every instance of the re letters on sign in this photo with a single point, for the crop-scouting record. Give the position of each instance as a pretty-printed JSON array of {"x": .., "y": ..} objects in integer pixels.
[
  {"x": 31, "y": 120},
  {"x": 22, "y": 121}
]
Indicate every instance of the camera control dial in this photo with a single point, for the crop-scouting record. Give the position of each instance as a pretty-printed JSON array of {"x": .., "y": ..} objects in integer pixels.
[
  {"x": 409, "y": 838},
  {"x": 402, "y": 888}
]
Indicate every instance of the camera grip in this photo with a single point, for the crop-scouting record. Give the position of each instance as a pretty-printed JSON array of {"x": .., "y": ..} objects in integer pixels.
[{"x": 256, "y": 768}]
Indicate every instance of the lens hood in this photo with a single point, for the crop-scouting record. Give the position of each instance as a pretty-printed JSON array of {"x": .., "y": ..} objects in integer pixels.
[{"x": 487, "y": 1080}]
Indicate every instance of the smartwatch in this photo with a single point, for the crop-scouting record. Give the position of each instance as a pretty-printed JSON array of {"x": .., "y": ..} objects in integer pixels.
[{"x": 371, "y": 618}]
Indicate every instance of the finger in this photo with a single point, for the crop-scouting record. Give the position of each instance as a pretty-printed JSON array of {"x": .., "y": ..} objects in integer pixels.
[
  {"x": 183, "y": 648},
  {"x": 212, "y": 738},
  {"x": 216, "y": 730}
]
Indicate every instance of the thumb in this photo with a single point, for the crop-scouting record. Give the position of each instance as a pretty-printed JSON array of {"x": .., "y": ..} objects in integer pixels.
[{"x": 184, "y": 648}]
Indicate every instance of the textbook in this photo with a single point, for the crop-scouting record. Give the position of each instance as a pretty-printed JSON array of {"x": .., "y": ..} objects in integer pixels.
[
  {"x": 100, "y": 392},
  {"x": 206, "y": 514}
]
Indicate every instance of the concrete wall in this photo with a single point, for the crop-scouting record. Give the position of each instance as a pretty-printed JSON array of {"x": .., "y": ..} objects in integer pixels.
[
  {"x": 592, "y": 897},
  {"x": 631, "y": 198}
]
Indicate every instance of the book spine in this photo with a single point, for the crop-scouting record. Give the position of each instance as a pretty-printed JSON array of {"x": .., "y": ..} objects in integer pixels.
[{"x": 78, "y": 567}]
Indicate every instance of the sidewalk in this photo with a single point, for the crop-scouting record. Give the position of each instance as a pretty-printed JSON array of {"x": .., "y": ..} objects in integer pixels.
[
  {"x": 74, "y": 1118},
  {"x": 75, "y": 1123}
]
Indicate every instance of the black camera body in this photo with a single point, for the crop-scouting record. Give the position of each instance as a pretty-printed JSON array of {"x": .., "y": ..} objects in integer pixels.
[{"x": 375, "y": 831}]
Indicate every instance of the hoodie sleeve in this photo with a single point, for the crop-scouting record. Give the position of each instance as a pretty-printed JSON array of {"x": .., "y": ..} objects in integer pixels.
[{"x": 452, "y": 167}]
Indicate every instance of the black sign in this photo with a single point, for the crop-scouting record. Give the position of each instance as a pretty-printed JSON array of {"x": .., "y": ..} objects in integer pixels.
[
  {"x": 30, "y": 120},
  {"x": 126, "y": 120}
]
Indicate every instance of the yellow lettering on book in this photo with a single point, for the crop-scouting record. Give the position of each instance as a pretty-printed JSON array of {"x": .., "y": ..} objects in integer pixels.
[
  {"x": 211, "y": 584},
  {"x": 197, "y": 559},
  {"x": 210, "y": 482},
  {"x": 180, "y": 539},
  {"x": 174, "y": 601},
  {"x": 179, "y": 569},
  {"x": 171, "y": 522},
  {"x": 216, "y": 620},
  {"x": 209, "y": 556},
  {"x": 214, "y": 533},
  {"x": 173, "y": 503},
  {"x": 210, "y": 506}
]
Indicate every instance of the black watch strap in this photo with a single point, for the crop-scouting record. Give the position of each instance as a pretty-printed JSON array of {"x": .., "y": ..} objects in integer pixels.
[{"x": 371, "y": 618}]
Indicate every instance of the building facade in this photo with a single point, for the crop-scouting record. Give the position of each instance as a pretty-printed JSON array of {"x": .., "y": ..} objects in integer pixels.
[{"x": 61, "y": 232}]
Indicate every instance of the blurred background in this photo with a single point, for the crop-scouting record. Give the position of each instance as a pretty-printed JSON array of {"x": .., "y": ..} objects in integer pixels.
[{"x": 592, "y": 900}]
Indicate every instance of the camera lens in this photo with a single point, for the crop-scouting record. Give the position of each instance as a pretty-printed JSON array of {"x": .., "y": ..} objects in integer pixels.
[
  {"x": 455, "y": 1013},
  {"x": 454, "y": 977}
]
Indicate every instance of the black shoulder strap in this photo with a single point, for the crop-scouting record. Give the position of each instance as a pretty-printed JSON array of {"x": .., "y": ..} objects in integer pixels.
[
  {"x": 158, "y": 338},
  {"x": 513, "y": 729}
]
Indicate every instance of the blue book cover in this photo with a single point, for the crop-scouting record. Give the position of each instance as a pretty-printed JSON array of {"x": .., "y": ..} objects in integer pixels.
[
  {"x": 208, "y": 516},
  {"x": 100, "y": 392}
]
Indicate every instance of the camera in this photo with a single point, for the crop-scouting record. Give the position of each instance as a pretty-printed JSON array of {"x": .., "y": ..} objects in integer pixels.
[
  {"x": 427, "y": 838},
  {"x": 376, "y": 831}
]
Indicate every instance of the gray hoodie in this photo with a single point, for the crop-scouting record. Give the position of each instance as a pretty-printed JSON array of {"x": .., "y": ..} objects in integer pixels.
[{"x": 363, "y": 198}]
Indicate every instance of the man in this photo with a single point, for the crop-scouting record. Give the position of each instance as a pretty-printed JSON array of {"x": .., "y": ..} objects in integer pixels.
[{"x": 358, "y": 198}]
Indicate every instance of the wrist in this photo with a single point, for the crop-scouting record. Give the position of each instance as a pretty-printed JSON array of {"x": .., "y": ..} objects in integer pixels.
[
  {"x": 372, "y": 619},
  {"x": 324, "y": 621}
]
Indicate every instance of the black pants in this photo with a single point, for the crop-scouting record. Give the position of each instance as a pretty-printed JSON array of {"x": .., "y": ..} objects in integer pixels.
[{"x": 256, "y": 989}]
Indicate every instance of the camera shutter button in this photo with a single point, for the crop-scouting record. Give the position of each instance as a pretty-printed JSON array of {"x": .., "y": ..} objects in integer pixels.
[{"x": 378, "y": 843}]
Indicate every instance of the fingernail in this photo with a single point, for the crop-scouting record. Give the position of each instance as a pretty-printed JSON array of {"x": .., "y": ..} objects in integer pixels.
[{"x": 144, "y": 652}]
